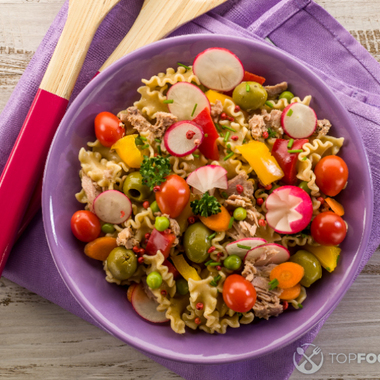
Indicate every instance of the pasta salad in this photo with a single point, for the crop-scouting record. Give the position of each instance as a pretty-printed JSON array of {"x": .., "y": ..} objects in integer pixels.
[{"x": 211, "y": 198}]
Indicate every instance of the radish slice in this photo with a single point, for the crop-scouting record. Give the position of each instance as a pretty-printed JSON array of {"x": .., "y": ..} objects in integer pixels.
[
  {"x": 280, "y": 256},
  {"x": 208, "y": 177},
  {"x": 182, "y": 138},
  {"x": 218, "y": 69},
  {"x": 289, "y": 209},
  {"x": 188, "y": 101},
  {"x": 242, "y": 246},
  {"x": 112, "y": 206},
  {"x": 299, "y": 121},
  {"x": 146, "y": 307}
]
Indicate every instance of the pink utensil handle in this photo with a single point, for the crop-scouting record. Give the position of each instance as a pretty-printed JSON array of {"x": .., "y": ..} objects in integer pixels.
[{"x": 25, "y": 164}]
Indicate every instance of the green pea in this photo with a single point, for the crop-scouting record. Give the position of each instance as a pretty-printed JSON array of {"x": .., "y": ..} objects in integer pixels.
[
  {"x": 108, "y": 228},
  {"x": 182, "y": 286},
  {"x": 154, "y": 207},
  {"x": 154, "y": 280},
  {"x": 134, "y": 188},
  {"x": 122, "y": 263},
  {"x": 161, "y": 223},
  {"x": 274, "y": 187},
  {"x": 303, "y": 186},
  {"x": 232, "y": 262},
  {"x": 240, "y": 213},
  {"x": 287, "y": 95}
]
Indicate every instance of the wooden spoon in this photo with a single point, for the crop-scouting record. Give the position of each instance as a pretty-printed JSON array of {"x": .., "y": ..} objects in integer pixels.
[
  {"x": 27, "y": 159},
  {"x": 157, "y": 19}
]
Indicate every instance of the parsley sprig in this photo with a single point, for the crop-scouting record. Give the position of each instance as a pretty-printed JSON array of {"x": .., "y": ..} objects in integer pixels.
[
  {"x": 206, "y": 206},
  {"x": 154, "y": 170}
]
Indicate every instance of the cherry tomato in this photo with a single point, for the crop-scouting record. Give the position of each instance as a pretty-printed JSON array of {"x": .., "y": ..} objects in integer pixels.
[
  {"x": 173, "y": 195},
  {"x": 108, "y": 129},
  {"x": 328, "y": 228},
  {"x": 85, "y": 226},
  {"x": 331, "y": 174},
  {"x": 238, "y": 293}
]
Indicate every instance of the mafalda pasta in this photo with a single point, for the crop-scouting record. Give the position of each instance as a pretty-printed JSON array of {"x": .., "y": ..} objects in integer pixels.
[{"x": 212, "y": 198}]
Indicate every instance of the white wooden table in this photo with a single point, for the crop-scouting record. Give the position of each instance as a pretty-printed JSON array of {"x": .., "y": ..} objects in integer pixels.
[{"x": 40, "y": 340}]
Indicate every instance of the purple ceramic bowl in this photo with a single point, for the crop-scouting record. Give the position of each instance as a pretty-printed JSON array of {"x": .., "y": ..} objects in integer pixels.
[{"x": 114, "y": 90}]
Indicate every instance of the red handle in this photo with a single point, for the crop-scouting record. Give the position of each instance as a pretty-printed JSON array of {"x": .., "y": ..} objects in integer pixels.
[{"x": 26, "y": 163}]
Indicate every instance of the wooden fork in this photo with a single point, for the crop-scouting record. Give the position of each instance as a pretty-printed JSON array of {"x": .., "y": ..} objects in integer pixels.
[{"x": 27, "y": 159}]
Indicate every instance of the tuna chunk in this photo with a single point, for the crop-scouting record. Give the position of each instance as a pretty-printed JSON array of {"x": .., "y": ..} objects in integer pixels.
[
  {"x": 276, "y": 90},
  {"x": 258, "y": 124},
  {"x": 240, "y": 179},
  {"x": 126, "y": 237},
  {"x": 216, "y": 110},
  {"x": 91, "y": 189}
]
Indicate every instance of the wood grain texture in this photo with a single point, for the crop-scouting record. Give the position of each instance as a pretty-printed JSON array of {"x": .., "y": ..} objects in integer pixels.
[{"x": 41, "y": 340}]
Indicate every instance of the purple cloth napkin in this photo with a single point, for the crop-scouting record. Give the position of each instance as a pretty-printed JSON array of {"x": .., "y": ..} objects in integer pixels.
[{"x": 299, "y": 27}]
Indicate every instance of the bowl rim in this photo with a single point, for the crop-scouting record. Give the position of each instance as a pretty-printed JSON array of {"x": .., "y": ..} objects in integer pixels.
[{"x": 151, "y": 349}]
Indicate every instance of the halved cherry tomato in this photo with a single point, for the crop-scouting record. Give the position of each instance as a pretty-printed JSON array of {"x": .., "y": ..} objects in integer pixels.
[
  {"x": 331, "y": 174},
  {"x": 159, "y": 241},
  {"x": 328, "y": 228},
  {"x": 173, "y": 195},
  {"x": 238, "y": 293},
  {"x": 85, "y": 226},
  {"x": 108, "y": 129}
]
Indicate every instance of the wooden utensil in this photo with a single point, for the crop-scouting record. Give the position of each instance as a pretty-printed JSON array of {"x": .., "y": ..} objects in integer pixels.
[
  {"x": 157, "y": 19},
  {"x": 27, "y": 159}
]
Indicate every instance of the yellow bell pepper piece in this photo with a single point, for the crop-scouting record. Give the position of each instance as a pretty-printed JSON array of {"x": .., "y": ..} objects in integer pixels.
[
  {"x": 127, "y": 150},
  {"x": 328, "y": 255},
  {"x": 261, "y": 160},
  {"x": 213, "y": 96},
  {"x": 185, "y": 269}
]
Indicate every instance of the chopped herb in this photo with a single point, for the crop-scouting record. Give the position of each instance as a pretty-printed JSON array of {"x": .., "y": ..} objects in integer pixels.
[
  {"x": 229, "y": 128},
  {"x": 239, "y": 314},
  {"x": 168, "y": 101},
  {"x": 138, "y": 141},
  {"x": 247, "y": 87},
  {"x": 143, "y": 138},
  {"x": 337, "y": 259},
  {"x": 159, "y": 149},
  {"x": 206, "y": 135},
  {"x": 231, "y": 222},
  {"x": 328, "y": 269},
  {"x": 290, "y": 113},
  {"x": 244, "y": 246},
  {"x": 300, "y": 306},
  {"x": 295, "y": 151},
  {"x": 181, "y": 64},
  {"x": 224, "y": 194},
  {"x": 304, "y": 158},
  {"x": 195, "y": 107},
  {"x": 271, "y": 133},
  {"x": 303, "y": 236},
  {"x": 158, "y": 141},
  {"x": 196, "y": 155},
  {"x": 212, "y": 236},
  {"x": 269, "y": 104},
  {"x": 218, "y": 277},
  {"x": 244, "y": 141},
  {"x": 209, "y": 262},
  {"x": 144, "y": 146},
  {"x": 273, "y": 284},
  {"x": 214, "y": 264},
  {"x": 218, "y": 128},
  {"x": 227, "y": 136},
  {"x": 208, "y": 205},
  {"x": 229, "y": 155},
  {"x": 290, "y": 143},
  {"x": 154, "y": 170},
  {"x": 229, "y": 146},
  {"x": 213, "y": 283}
]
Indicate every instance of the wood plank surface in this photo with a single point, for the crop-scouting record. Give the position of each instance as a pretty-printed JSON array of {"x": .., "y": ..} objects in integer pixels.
[{"x": 41, "y": 340}]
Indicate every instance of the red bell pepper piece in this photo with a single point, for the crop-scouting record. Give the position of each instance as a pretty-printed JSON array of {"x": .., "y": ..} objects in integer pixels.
[
  {"x": 286, "y": 160},
  {"x": 159, "y": 241},
  {"x": 208, "y": 147},
  {"x": 172, "y": 269}
]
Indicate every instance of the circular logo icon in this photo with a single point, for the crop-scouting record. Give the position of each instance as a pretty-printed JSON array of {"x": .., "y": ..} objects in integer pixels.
[{"x": 308, "y": 365}]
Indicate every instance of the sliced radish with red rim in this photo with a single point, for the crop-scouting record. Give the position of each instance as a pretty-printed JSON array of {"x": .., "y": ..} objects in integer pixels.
[
  {"x": 272, "y": 254},
  {"x": 218, "y": 69},
  {"x": 112, "y": 206},
  {"x": 187, "y": 101},
  {"x": 183, "y": 138},
  {"x": 242, "y": 246},
  {"x": 289, "y": 209},
  {"x": 298, "y": 120},
  {"x": 208, "y": 177}
]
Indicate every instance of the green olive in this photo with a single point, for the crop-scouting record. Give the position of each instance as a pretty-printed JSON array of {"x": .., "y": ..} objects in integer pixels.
[
  {"x": 134, "y": 189},
  {"x": 240, "y": 213},
  {"x": 249, "y": 95},
  {"x": 311, "y": 265},
  {"x": 182, "y": 286},
  {"x": 303, "y": 186},
  {"x": 122, "y": 263},
  {"x": 196, "y": 242},
  {"x": 287, "y": 95}
]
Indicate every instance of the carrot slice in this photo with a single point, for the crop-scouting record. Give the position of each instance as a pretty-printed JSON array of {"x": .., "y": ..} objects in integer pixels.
[
  {"x": 130, "y": 290},
  {"x": 291, "y": 293},
  {"x": 335, "y": 206},
  {"x": 287, "y": 275},
  {"x": 217, "y": 222},
  {"x": 100, "y": 248}
]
